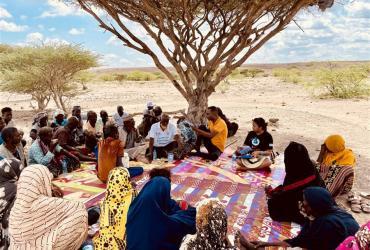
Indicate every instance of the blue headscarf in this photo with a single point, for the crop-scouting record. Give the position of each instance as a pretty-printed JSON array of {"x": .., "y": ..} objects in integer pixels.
[
  {"x": 330, "y": 227},
  {"x": 320, "y": 200},
  {"x": 155, "y": 221}
]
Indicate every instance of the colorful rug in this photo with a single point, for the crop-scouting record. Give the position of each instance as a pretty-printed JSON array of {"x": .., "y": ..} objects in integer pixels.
[
  {"x": 242, "y": 193},
  {"x": 82, "y": 185},
  {"x": 194, "y": 179}
]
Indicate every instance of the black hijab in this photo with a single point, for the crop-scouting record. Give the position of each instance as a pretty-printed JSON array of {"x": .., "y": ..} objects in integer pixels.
[{"x": 298, "y": 164}]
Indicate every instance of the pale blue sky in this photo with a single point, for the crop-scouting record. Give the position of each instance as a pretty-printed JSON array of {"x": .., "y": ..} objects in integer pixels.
[{"x": 340, "y": 33}]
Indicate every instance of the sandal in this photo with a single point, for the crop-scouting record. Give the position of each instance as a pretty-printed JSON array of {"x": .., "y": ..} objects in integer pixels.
[
  {"x": 355, "y": 202},
  {"x": 365, "y": 206}
]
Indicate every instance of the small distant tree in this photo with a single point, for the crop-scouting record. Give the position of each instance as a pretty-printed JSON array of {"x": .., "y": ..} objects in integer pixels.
[
  {"x": 203, "y": 40},
  {"x": 83, "y": 77},
  {"x": 45, "y": 71}
]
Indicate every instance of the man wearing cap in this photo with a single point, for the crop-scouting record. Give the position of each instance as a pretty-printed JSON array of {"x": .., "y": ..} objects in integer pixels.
[
  {"x": 149, "y": 107},
  {"x": 131, "y": 140}
]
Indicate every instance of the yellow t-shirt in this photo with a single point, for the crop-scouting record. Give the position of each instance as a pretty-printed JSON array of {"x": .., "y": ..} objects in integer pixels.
[{"x": 219, "y": 126}]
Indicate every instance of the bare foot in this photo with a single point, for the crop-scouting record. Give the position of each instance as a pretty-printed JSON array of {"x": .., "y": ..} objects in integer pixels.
[{"x": 243, "y": 243}]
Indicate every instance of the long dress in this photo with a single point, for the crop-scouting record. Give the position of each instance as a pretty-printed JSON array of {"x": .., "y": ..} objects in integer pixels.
[{"x": 155, "y": 221}]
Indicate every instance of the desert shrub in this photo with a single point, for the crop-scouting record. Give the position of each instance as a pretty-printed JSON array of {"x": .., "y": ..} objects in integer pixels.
[
  {"x": 120, "y": 77},
  {"x": 107, "y": 77},
  {"x": 235, "y": 73},
  {"x": 140, "y": 76},
  {"x": 344, "y": 82},
  {"x": 288, "y": 75},
  {"x": 224, "y": 86},
  {"x": 251, "y": 72},
  {"x": 159, "y": 75}
]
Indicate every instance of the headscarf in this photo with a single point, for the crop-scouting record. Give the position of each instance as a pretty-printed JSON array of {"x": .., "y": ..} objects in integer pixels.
[
  {"x": 298, "y": 164},
  {"x": 38, "y": 117},
  {"x": 40, "y": 221},
  {"x": 330, "y": 225},
  {"x": 320, "y": 200},
  {"x": 10, "y": 169},
  {"x": 361, "y": 240},
  {"x": 60, "y": 112},
  {"x": 114, "y": 209},
  {"x": 339, "y": 154},
  {"x": 155, "y": 221},
  {"x": 211, "y": 227}
]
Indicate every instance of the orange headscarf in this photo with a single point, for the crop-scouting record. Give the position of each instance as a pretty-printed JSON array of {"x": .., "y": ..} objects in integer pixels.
[{"x": 338, "y": 153}]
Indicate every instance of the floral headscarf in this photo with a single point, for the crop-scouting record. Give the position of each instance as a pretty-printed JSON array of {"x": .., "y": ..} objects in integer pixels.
[{"x": 211, "y": 227}]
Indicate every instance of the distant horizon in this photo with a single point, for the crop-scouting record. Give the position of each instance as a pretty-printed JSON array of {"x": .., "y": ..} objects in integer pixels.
[{"x": 151, "y": 68}]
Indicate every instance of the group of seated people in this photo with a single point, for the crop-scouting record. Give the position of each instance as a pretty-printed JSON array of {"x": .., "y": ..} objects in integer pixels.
[{"x": 35, "y": 216}]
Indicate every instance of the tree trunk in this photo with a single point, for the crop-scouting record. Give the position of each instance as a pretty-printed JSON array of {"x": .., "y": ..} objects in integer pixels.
[
  {"x": 62, "y": 104},
  {"x": 198, "y": 104},
  {"x": 55, "y": 98},
  {"x": 42, "y": 102}
]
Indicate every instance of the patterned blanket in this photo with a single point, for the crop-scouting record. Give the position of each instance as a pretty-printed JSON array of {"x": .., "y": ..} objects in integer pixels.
[
  {"x": 194, "y": 179},
  {"x": 82, "y": 185}
]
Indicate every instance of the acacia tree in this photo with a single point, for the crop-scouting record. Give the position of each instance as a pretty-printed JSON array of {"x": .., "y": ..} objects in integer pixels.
[
  {"x": 45, "y": 72},
  {"x": 203, "y": 40}
]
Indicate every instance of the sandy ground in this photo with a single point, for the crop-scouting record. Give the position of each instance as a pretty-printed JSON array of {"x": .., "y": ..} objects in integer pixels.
[{"x": 302, "y": 117}]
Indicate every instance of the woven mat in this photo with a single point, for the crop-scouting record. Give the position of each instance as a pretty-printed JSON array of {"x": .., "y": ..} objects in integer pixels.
[
  {"x": 242, "y": 193},
  {"x": 82, "y": 185},
  {"x": 194, "y": 179}
]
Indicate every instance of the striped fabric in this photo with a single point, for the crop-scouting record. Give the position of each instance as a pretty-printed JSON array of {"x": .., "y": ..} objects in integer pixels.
[
  {"x": 338, "y": 179},
  {"x": 40, "y": 221}
]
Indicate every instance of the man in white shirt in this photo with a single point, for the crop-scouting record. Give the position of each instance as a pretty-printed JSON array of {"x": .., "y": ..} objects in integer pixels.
[
  {"x": 164, "y": 138},
  {"x": 119, "y": 116}
]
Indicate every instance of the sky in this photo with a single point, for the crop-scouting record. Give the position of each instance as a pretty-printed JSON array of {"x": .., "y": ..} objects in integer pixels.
[{"x": 339, "y": 33}]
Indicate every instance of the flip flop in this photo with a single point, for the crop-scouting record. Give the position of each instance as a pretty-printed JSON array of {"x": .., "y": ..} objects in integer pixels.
[
  {"x": 356, "y": 208},
  {"x": 365, "y": 206}
]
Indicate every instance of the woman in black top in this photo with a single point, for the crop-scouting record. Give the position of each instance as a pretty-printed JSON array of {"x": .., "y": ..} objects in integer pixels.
[
  {"x": 300, "y": 173},
  {"x": 261, "y": 145}
]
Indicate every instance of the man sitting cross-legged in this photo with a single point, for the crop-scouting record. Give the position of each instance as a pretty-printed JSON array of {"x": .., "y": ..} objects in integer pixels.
[
  {"x": 164, "y": 138},
  {"x": 213, "y": 138}
]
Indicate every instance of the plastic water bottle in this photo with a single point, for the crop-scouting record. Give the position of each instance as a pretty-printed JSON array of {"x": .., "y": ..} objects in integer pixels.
[
  {"x": 154, "y": 154},
  {"x": 64, "y": 166},
  {"x": 126, "y": 160},
  {"x": 234, "y": 157},
  {"x": 170, "y": 157}
]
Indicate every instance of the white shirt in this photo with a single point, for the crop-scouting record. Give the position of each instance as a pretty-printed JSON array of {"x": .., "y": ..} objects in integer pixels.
[
  {"x": 11, "y": 124},
  {"x": 162, "y": 138},
  {"x": 119, "y": 119}
]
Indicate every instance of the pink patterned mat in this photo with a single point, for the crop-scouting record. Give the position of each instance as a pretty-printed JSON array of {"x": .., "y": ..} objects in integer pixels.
[{"x": 194, "y": 179}]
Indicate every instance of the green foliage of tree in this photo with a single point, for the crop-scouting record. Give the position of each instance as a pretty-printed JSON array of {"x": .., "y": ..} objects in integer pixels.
[{"x": 45, "y": 71}]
